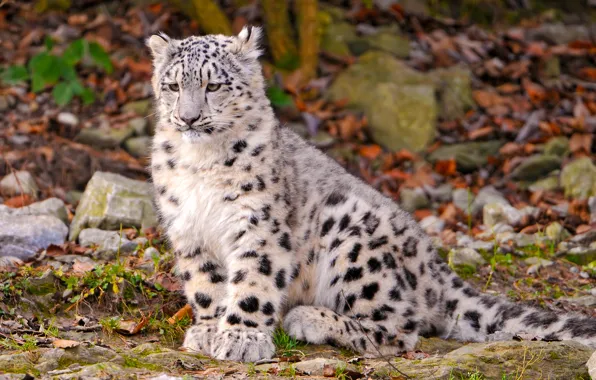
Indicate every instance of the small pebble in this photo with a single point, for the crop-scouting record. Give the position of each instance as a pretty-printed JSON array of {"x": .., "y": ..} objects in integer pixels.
[{"x": 67, "y": 118}]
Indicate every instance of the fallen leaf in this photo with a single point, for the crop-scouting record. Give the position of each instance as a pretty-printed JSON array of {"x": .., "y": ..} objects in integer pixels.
[
  {"x": 422, "y": 176},
  {"x": 446, "y": 167},
  {"x": 82, "y": 267},
  {"x": 487, "y": 99},
  {"x": 480, "y": 133},
  {"x": 185, "y": 311},
  {"x": 581, "y": 142},
  {"x": 370, "y": 152},
  {"x": 65, "y": 343},
  {"x": 19, "y": 201},
  {"x": 131, "y": 327}
]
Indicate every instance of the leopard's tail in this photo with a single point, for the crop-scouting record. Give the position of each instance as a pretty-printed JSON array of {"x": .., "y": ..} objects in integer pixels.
[{"x": 473, "y": 316}]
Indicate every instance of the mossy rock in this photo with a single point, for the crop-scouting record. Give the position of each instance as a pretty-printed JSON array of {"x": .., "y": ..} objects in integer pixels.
[
  {"x": 111, "y": 200},
  {"x": 578, "y": 178},
  {"x": 536, "y": 167},
  {"x": 537, "y": 360}
]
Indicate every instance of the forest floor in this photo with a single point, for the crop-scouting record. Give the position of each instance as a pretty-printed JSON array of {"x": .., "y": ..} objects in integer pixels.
[{"x": 505, "y": 186}]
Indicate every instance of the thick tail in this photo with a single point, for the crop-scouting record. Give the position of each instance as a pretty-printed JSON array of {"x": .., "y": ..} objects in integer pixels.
[{"x": 472, "y": 316}]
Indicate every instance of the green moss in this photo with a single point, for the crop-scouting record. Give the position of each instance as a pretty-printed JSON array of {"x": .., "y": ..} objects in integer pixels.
[
  {"x": 464, "y": 271},
  {"x": 134, "y": 362}
]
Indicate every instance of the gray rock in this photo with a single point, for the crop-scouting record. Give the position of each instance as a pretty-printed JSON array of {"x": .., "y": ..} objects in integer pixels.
[
  {"x": 591, "y": 364},
  {"x": 22, "y": 236},
  {"x": 20, "y": 182},
  {"x": 50, "y": 206},
  {"x": 67, "y": 118},
  {"x": 441, "y": 193},
  {"x": 314, "y": 367},
  {"x": 465, "y": 256},
  {"x": 558, "y": 33},
  {"x": 487, "y": 195},
  {"x": 151, "y": 254},
  {"x": 536, "y": 263},
  {"x": 490, "y": 233},
  {"x": 139, "y": 107},
  {"x": 469, "y": 156},
  {"x": 463, "y": 199},
  {"x": 556, "y": 232},
  {"x": 107, "y": 244},
  {"x": 104, "y": 137},
  {"x": 111, "y": 200},
  {"x": 138, "y": 146},
  {"x": 432, "y": 224},
  {"x": 139, "y": 125},
  {"x": 413, "y": 199},
  {"x": 536, "y": 167},
  {"x": 592, "y": 205},
  {"x": 493, "y": 213},
  {"x": 586, "y": 301},
  {"x": 557, "y": 146},
  {"x": 578, "y": 178}
]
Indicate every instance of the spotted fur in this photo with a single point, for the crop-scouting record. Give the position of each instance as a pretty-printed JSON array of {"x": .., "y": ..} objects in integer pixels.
[{"x": 265, "y": 226}]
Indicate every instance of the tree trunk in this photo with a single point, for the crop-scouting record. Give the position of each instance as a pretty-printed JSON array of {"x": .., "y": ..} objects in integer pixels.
[
  {"x": 279, "y": 34},
  {"x": 308, "y": 31},
  {"x": 207, "y": 14}
]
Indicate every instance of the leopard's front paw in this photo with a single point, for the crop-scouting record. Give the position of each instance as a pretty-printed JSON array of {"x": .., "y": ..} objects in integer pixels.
[
  {"x": 199, "y": 337},
  {"x": 242, "y": 345}
]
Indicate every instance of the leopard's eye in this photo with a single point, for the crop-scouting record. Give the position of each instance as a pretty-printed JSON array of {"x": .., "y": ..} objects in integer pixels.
[
  {"x": 174, "y": 87},
  {"x": 213, "y": 87}
]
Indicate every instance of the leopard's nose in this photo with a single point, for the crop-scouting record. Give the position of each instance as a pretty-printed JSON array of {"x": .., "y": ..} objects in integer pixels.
[{"x": 189, "y": 120}]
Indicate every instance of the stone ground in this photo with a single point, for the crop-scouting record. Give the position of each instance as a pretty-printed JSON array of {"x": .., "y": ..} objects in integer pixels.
[{"x": 485, "y": 135}]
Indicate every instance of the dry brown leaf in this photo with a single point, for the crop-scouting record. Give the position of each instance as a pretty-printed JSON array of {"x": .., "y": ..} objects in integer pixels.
[
  {"x": 131, "y": 327},
  {"x": 581, "y": 142},
  {"x": 480, "y": 133},
  {"x": 422, "y": 176},
  {"x": 487, "y": 99},
  {"x": 82, "y": 267}
]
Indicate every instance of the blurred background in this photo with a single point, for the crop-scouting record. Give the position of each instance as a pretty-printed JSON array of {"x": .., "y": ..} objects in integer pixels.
[{"x": 477, "y": 116}]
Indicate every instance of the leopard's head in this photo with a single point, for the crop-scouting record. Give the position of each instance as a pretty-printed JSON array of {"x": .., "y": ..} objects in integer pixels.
[{"x": 207, "y": 86}]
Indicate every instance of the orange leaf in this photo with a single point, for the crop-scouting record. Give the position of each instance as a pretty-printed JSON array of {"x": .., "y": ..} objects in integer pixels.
[
  {"x": 370, "y": 152},
  {"x": 588, "y": 73},
  {"x": 404, "y": 155},
  {"x": 19, "y": 201},
  {"x": 186, "y": 311},
  {"x": 446, "y": 167}
]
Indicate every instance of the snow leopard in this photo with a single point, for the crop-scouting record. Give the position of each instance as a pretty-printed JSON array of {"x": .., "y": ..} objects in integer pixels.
[{"x": 268, "y": 231}]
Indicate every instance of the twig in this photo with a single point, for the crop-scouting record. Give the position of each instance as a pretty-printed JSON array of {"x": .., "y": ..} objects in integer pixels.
[{"x": 370, "y": 340}]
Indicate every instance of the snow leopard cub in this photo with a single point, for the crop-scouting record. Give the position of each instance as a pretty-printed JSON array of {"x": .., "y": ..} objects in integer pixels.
[{"x": 265, "y": 226}]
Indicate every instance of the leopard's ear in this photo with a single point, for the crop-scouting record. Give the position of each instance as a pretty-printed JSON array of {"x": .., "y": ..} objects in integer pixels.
[
  {"x": 247, "y": 43},
  {"x": 158, "y": 43}
]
